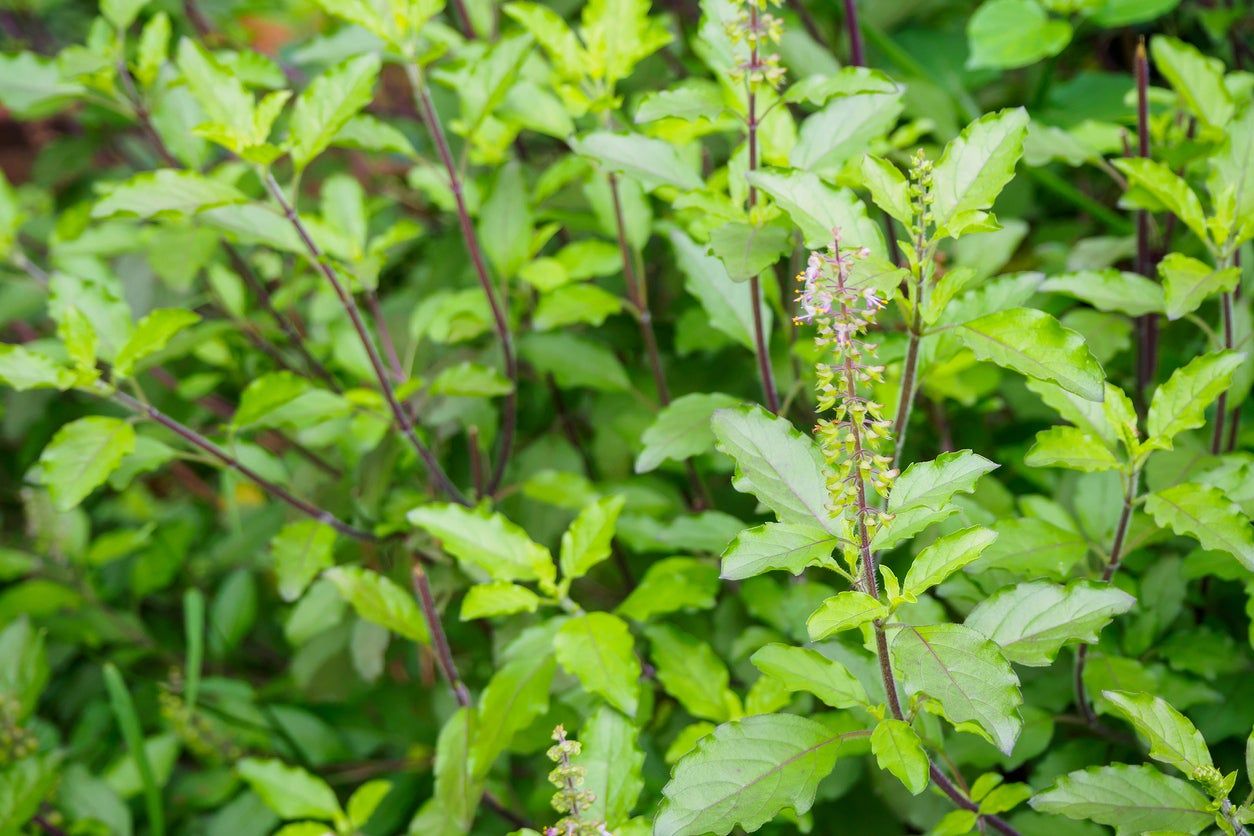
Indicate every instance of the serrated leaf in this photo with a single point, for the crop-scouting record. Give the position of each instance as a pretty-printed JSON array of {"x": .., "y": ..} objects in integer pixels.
[
  {"x": 23, "y": 369},
  {"x": 1007, "y": 34},
  {"x": 1206, "y": 514},
  {"x": 1034, "y": 548},
  {"x": 933, "y": 483},
  {"x": 898, "y": 749},
  {"x": 380, "y": 601},
  {"x": 1110, "y": 290},
  {"x": 81, "y": 455},
  {"x": 324, "y": 107},
  {"x": 728, "y": 308},
  {"x": 775, "y": 463},
  {"x": 964, "y": 672},
  {"x": 690, "y": 671},
  {"x": 681, "y": 430},
  {"x": 843, "y": 611},
  {"x": 843, "y": 129},
  {"x": 587, "y": 542},
  {"x": 301, "y": 550},
  {"x": 777, "y": 547},
  {"x": 651, "y": 161},
  {"x": 289, "y": 791},
  {"x": 166, "y": 192},
  {"x": 889, "y": 188},
  {"x": 486, "y": 600},
  {"x": 670, "y": 585},
  {"x": 1197, "y": 79},
  {"x": 1172, "y": 738},
  {"x": 598, "y": 650},
  {"x": 1131, "y": 799},
  {"x": 1032, "y": 621},
  {"x": 151, "y": 334},
  {"x": 747, "y": 250},
  {"x": 977, "y": 165},
  {"x": 491, "y": 545},
  {"x": 945, "y": 556},
  {"x": 1035, "y": 344},
  {"x": 218, "y": 91},
  {"x": 1187, "y": 283},
  {"x": 804, "y": 669},
  {"x": 1168, "y": 189},
  {"x": 266, "y": 394},
  {"x": 817, "y": 208},
  {"x": 1072, "y": 448},
  {"x": 1180, "y": 404},
  {"x": 745, "y": 773},
  {"x": 612, "y": 763}
]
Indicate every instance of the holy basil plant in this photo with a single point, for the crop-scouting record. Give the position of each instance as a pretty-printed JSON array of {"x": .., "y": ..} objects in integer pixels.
[{"x": 609, "y": 418}]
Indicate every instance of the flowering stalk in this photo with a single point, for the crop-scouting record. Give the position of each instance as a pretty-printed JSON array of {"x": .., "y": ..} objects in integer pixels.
[
  {"x": 920, "y": 274},
  {"x": 571, "y": 799}
]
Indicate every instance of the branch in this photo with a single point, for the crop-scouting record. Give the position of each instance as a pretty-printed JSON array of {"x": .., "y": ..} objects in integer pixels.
[{"x": 857, "y": 55}]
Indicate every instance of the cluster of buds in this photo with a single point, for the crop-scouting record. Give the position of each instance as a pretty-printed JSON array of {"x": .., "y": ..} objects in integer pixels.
[
  {"x": 571, "y": 799},
  {"x": 16, "y": 741},
  {"x": 921, "y": 188},
  {"x": 755, "y": 27},
  {"x": 851, "y": 440},
  {"x": 193, "y": 728}
]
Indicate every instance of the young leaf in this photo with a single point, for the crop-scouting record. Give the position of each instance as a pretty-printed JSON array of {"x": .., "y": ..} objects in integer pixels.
[
  {"x": 690, "y": 671},
  {"x": 1206, "y": 514},
  {"x": 598, "y": 650},
  {"x": 898, "y": 749},
  {"x": 289, "y": 791},
  {"x": 587, "y": 542},
  {"x": 1132, "y": 799},
  {"x": 652, "y": 161},
  {"x": 843, "y": 129},
  {"x": 932, "y": 484},
  {"x": 681, "y": 430},
  {"x": 491, "y": 545},
  {"x": 166, "y": 192},
  {"x": 965, "y": 673},
  {"x": 977, "y": 165},
  {"x": 746, "y": 250},
  {"x": 888, "y": 186},
  {"x": 1007, "y": 34},
  {"x": 945, "y": 556},
  {"x": 301, "y": 550},
  {"x": 1179, "y": 404},
  {"x": 1197, "y": 79},
  {"x": 775, "y": 463},
  {"x": 777, "y": 547},
  {"x": 817, "y": 208},
  {"x": 1031, "y": 622},
  {"x": 380, "y": 601},
  {"x": 1035, "y": 344},
  {"x": 1110, "y": 290},
  {"x": 1168, "y": 189},
  {"x": 843, "y": 611},
  {"x": 745, "y": 773},
  {"x": 803, "y": 669},
  {"x": 1172, "y": 738},
  {"x": 1188, "y": 283},
  {"x": 1072, "y": 448},
  {"x": 517, "y": 694},
  {"x": 612, "y": 764},
  {"x": 485, "y": 600},
  {"x": 151, "y": 334},
  {"x": 670, "y": 585},
  {"x": 365, "y": 800},
  {"x": 81, "y": 456},
  {"x": 218, "y": 91},
  {"x": 23, "y": 369},
  {"x": 325, "y": 106}
]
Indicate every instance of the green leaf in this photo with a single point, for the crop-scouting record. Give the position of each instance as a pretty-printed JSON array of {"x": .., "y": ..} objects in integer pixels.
[
  {"x": 843, "y": 611},
  {"x": 289, "y": 791},
  {"x": 1197, "y": 79},
  {"x": 1131, "y": 799},
  {"x": 365, "y": 800},
  {"x": 1206, "y": 514},
  {"x": 1188, "y": 283},
  {"x": 777, "y": 547},
  {"x": 301, "y": 550},
  {"x": 1180, "y": 404},
  {"x": 1034, "y": 548},
  {"x": 486, "y": 600},
  {"x": 898, "y": 749},
  {"x": 747, "y": 250},
  {"x": 745, "y": 773},
  {"x": 1071, "y": 448},
  {"x": 124, "y": 712},
  {"x": 324, "y": 107},
  {"x": 1230, "y": 180},
  {"x": 491, "y": 545},
  {"x": 1006, "y": 34},
  {"x": 598, "y": 650},
  {"x": 31, "y": 86},
  {"x": 575, "y": 362},
  {"x": 965, "y": 673},
  {"x": 1035, "y": 344},
  {"x": 551, "y": 32},
  {"x": 266, "y": 394},
  {"x": 1031, "y": 622},
  {"x": 618, "y": 34},
  {"x": 1110, "y": 290},
  {"x": 1168, "y": 190},
  {"x": 681, "y": 430},
  {"x": 817, "y": 208},
  {"x": 1172, "y": 738},
  {"x": 671, "y": 585},
  {"x": 380, "y": 601},
  {"x": 690, "y": 100},
  {"x": 651, "y": 161},
  {"x": 932, "y": 484},
  {"x": 23, "y": 666},
  {"x": 121, "y": 13},
  {"x": 690, "y": 671},
  {"x": 889, "y": 188},
  {"x": 977, "y": 165},
  {"x": 516, "y": 695},
  {"x": 843, "y": 129},
  {"x": 803, "y": 669},
  {"x": 23, "y": 369},
  {"x": 612, "y": 763},
  {"x": 81, "y": 456},
  {"x": 573, "y": 304},
  {"x": 471, "y": 380},
  {"x": 775, "y": 463},
  {"x": 505, "y": 221},
  {"x": 166, "y": 192},
  {"x": 151, "y": 334},
  {"x": 727, "y": 305},
  {"x": 457, "y": 792},
  {"x": 945, "y": 556},
  {"x": 1116, "y": 13},
  {"x": 218, "y": 91},
  {"x": 587, "y": 542}
]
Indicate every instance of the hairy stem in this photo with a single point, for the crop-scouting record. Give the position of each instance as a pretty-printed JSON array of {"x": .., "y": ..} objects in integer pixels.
[
  {"x": 500, "y": 322},
  {"x": 399, "y": 413}
]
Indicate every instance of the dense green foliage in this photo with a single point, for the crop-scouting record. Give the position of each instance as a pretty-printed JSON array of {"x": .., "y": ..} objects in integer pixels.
[{"x": 407, "y": 414}]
